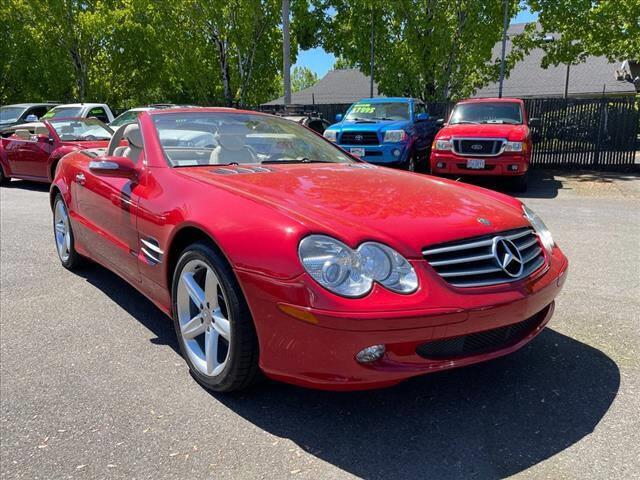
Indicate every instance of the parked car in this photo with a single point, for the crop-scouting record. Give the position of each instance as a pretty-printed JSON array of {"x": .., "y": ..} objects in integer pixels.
[
  {"x": 32, "y": 151},
  {"x": 275, "y": 251},
  {"x": 386, "y": 131},
  {"x": 100, "y": 111},
  {"x": 130, "y": 115},
  {"x": 486, "y": 136},
  {"x": 18, "y": 113}
]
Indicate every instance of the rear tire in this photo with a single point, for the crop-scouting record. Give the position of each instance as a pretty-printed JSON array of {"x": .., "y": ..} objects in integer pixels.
[
  {"x": 213, "y": 324},
  {"x": 3, "y": 178}
]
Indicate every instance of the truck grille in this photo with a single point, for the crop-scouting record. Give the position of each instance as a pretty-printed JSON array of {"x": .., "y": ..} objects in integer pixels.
[
  {"x": 482, "y": 261},
  {"x": 481, "y": 342},
  {"x": 359, "y": 138},
  {"x": 482, "y": 148}
]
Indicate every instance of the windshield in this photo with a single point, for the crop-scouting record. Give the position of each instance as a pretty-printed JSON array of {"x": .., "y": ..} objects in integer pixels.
[
  {"x": 373, "y": 111},
  {"x": 217, "y": 138},
  {"x": 81, "y": 130},
  {"x": 64, "y": 112},
  {"x": 10, "y": 114},
  {"x": 486, "y": 112},
  {"x": 127, "y": 117}
]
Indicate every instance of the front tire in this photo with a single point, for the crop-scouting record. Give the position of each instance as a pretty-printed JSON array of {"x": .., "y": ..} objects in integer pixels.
[
  {"x": 3, "y": 178},
  {"x": 63, "y": 234},
  {"x": 213, "y": 324}
]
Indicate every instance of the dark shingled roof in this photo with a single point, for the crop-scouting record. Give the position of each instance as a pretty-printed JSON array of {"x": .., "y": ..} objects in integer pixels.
[
  {"x": 337, "y": 86},
  {"x": 529, "y": 79}
]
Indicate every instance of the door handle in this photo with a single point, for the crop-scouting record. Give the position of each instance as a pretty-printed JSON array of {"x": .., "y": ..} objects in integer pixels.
[{"x": 80, "y": 178}]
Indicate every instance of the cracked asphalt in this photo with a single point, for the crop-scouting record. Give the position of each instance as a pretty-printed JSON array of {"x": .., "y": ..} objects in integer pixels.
[{"x": 92, "y": 386}]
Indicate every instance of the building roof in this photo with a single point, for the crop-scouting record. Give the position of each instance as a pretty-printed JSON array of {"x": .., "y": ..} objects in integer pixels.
[
  {"x": 337, "y": 86},
  {"x": 529, "y": 79}
]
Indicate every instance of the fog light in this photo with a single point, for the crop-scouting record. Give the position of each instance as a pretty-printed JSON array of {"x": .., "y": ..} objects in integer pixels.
[
  {"x": 440, "y": 165},
  {"x": 396, "y": 152},
  {"x": 513, "y": 168},
  {"x": 370, "y": 354}
]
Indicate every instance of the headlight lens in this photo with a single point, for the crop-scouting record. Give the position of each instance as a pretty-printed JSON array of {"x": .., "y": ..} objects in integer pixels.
[
  {"x": 395, "y": 136},
  {"x": 331, "y": 135},
  {"x": 443, "y": 145},
  {"x": 541, "y": 229},
  {"x": 351, "y": 273},
  {"x": 513, "y": 147}
]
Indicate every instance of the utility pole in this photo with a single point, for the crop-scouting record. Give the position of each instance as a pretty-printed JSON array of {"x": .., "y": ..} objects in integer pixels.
[
  {"x": 566, "y": 81},
  {"x": 373, "y": 50},
  {"x": 286, "y": 53},
  {"x": 505, "y": 25}
]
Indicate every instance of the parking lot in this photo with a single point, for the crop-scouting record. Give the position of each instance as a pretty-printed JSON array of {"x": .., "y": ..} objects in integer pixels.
[{"x": 92, "y": 385}]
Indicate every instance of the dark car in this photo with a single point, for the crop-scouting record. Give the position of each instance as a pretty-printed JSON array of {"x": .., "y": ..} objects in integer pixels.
[
  {"x": 310, "y": 120},
  {"x": 22, "y": 113}
]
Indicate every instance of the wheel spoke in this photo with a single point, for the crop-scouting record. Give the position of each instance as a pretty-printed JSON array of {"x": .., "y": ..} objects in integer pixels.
[
  {"x": 211, "y": 350},
  {"x": 193, "y": 327},
  {"x": 193, "y": 289},
  {"x": 222, "y": 325},
  {"x": 211, "y": 289},
  {"x": 60, "y": 228}
]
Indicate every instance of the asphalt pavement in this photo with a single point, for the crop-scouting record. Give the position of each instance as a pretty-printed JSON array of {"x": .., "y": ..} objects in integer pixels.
[{"x": 92, "y": 386}]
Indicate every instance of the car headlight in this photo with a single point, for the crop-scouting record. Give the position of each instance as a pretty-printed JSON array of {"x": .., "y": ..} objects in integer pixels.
[
  {"x": 331, "y": 135},
  {"x": 395, "y": 136},
  {"x": 443, "y": 145},
  {"x": 513, "y": 147},
  {"x": 540, "y": 228},
  {"x": 351, "y": 273}
]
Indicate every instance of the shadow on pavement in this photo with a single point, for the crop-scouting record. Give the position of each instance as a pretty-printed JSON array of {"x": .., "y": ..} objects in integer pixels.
[
  {"x": 26, "y": 185},
  {"x": 487, "y": 421}
]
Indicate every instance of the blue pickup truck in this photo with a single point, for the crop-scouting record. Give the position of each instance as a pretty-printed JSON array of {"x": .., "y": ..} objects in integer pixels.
[{"x": 386, "y": 131}]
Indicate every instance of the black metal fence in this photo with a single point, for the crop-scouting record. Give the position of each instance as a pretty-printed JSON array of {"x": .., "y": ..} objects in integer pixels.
[{"x": 601, "y": 133}]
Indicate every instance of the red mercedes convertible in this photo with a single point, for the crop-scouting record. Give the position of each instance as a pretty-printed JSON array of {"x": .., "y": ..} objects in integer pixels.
[
  {"x": 276, "y": 252},
  {"x": 32, "y": 151}
]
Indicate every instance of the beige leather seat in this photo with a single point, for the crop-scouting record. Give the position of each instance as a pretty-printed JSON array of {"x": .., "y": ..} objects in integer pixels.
[
  {"x": 42, "y": 130},
  {"x": 131, "y": 133},
  {"x": 23, "y": 134},
  {"x": 232, "y": 147}
]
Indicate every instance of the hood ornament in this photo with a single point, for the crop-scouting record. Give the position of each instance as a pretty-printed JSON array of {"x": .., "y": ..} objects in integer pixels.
[{"x": 483, "y": 221}]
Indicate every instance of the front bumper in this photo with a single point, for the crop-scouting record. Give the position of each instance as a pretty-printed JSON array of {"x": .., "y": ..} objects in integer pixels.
[
  {"x": 317, "y": 348},
  {"x": 383, "y": 154},
  {"x": 449, "y": 163}
]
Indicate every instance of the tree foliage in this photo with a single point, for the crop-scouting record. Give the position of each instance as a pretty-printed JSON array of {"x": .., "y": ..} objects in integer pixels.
[
  {"x": 303, "y": 77},
  {"x": 582, "y": 28},
  {"x": 433, "y": 50}
]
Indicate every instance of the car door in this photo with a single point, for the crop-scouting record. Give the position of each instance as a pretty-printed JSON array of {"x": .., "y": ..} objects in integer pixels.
[
  {"x": 423, "y": 140},
  {"x": 108, "y": 210},
  {"x": 29, "y": 158}
]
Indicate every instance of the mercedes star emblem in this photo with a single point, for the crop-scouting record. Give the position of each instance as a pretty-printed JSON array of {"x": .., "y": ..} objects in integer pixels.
[{"x": 507, "y": 256}]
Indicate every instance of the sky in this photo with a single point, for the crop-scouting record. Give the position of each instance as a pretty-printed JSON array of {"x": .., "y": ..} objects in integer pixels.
[{"x": 321, "y": 62}]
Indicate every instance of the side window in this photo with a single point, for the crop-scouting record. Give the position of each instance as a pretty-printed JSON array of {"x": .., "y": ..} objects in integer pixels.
[
  {"x": 99, "y": 113},
  {"x": 420, "y": 108},
  {"x": 38, "y": 111},
  {"x": 317, "y": 125}
]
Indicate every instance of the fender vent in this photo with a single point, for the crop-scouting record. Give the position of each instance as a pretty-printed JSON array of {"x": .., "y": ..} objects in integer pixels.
[
  {"x": 235, "y": 170},
  {"x": 151, "y": 250}
]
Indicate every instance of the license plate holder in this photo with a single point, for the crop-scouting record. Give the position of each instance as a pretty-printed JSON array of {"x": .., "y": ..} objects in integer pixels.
[
  {"x": 475, "y": 163},
  {"x": 359, "y": 152}
]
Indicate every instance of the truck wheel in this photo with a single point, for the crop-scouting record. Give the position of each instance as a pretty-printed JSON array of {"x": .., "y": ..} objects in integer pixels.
[{"x": 519, "y": 183}]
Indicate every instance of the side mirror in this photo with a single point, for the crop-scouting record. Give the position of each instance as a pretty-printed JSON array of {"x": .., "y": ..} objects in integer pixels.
[
  {"x": 421, "y": 117},
  {"x": 440, "y": 122},
  {"x": 338, "y": 117},
  {"x": 121, "y": 167},
  {"x": 31, "y": 118},
  {"x": 535, "y": 122}
]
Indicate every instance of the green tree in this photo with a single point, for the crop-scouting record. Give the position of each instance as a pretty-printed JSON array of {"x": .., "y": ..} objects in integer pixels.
[
  {"x": 342, "y": 63},
  {"x": 303, "y": 77},
  {"x": 432, "y": 50},
  {"x": 582, "y": 28}
]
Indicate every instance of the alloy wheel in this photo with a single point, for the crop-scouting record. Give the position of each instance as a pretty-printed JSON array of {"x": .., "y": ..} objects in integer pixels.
[
  {"x": 203, "y": 315},
  {"x": 62, "y": 231}
]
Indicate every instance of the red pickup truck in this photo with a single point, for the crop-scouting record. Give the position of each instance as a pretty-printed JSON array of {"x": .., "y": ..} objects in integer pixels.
[{"x": 485, "y": 136}]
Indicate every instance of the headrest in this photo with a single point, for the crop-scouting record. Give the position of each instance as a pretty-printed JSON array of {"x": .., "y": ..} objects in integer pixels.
[
  {"x": 23, "y": 134},
  {"x": 42, "y": 130},
  {"x": 233, "y": 137},
  {"x": 133, "y": 135}
]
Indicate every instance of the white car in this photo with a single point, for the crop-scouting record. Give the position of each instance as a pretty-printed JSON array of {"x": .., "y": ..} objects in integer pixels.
[
  {"x": 129, "y": 116},
  {"x": 101, "y": 111}
]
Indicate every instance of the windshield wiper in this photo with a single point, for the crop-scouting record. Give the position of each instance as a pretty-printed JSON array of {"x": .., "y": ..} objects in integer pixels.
[
  {"x": 295, "y": 160},
  {"x": 382, "y": 118},
  {"x": 361, "y": 120}
]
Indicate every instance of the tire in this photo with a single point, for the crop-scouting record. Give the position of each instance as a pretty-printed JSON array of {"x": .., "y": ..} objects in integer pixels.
[
  {"x": 412, "y": 164},
  {"x": 213, "y": 325},
  {"x": 519, "y": 183},
  {"x": 63, "y": 235},
  {"x": 4, "y": 180}
]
